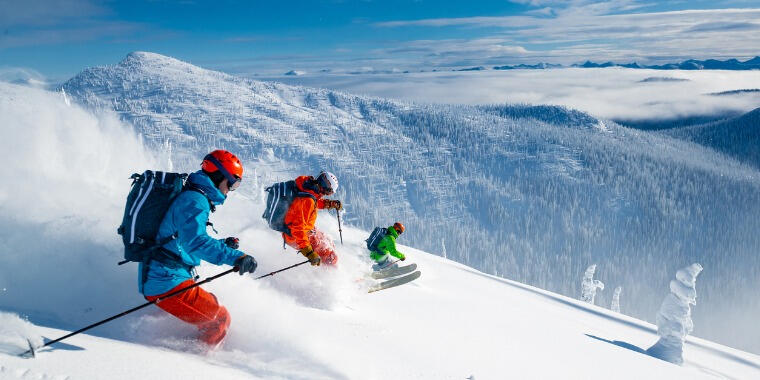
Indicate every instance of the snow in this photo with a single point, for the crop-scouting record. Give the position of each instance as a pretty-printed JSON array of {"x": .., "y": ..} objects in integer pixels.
[
  {"x": 674, "y": 319},
  {"x": 452, "y": 323},
  {"x": 542, "y": 190},
  {"x": 589, "y": 286},
  {"x": 736, "y": 137},
  {"x": 58, "y": 250},
  {"x": 17, "y": 334},
  {"x": 615, "y": 306}
]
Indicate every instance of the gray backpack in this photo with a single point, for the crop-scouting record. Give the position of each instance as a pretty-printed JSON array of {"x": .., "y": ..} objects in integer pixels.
[
  {"x": 375, "y": 237},
  {"x": 279, "y": 197}
]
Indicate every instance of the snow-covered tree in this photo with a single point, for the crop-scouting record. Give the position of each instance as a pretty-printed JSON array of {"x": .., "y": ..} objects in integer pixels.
[
  {"x": 616, "y": 300},
  {"x": 674, "y": 319},
  {"x": 589, "y": 285}
]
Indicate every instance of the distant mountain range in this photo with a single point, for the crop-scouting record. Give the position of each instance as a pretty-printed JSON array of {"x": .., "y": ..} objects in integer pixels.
[
  {"x": 540, "y": 65},
  {"x": 691, "y": 64}
]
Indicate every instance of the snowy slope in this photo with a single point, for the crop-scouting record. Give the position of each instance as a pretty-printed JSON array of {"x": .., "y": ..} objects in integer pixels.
[
  {"x": 531, "y": 193},
  {"x": 453, "y": 323},
  {"x": 58, "y": 252}
]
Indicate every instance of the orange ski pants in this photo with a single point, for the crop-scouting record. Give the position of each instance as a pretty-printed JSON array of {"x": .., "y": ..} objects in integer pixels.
[
  {"x": 320, "y": 243},
  {"x": 198, "y": 307}
]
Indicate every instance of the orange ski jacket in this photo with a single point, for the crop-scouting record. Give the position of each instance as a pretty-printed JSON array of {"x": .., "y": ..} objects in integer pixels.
[{"x": 302, "y": 215}]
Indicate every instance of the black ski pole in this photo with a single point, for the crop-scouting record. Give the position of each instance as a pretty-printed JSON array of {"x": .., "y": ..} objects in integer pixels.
[
  {"x": 340, "y": 230},
  {"x": 281, "y": 270},
  {"x": 31, "y": 349}
]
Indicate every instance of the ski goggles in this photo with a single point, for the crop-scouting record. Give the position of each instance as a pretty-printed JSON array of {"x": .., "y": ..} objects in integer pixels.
[
  {"x": 234, "y": 185},
  {"x": 233, "y": 181},
  {"x": 324, "y": 185}
]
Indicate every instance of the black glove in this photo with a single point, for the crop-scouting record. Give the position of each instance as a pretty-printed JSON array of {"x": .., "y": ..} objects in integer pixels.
[
  {"x": 246, "y": 264},
  {"x": 402, "y": 258},
  {"x": 313, "y": 257},
  {"x": 232, "y": 242}
]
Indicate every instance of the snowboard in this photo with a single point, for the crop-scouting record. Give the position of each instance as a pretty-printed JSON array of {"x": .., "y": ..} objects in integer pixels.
[
  {"x": 393, "y": 272},
  {"x": 394, "y": 282}
]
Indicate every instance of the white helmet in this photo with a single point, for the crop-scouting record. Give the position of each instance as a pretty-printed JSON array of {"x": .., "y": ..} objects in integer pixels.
[{"x": 328, "y": 182}]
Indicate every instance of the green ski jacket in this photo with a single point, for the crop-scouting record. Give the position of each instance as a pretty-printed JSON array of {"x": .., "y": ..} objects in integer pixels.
[{"x": 387, "y": 246}]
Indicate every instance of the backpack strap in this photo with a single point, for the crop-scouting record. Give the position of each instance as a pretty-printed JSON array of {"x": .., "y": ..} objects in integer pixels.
[
  {"x": 193, "y": 187},
  {"x": 304, "y": 194}
]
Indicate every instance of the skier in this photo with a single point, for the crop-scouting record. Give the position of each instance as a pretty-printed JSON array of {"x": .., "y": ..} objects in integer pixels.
[
  {"x": 301, "y": 217},
  {"x": 184, "y": 226},
  {"x": 383, "y": 247}
]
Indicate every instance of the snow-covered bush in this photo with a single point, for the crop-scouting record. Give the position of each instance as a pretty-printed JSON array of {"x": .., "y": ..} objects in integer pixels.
[
  {"x": 674, "y": 319},
  {"x": 616, "y": 300},
  {"x": 589, "y": 285}
]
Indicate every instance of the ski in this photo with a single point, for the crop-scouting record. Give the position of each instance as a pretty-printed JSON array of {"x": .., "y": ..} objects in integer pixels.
[
  {"x": 392, "y": 272},
  {"x": 395, "y": 282}
]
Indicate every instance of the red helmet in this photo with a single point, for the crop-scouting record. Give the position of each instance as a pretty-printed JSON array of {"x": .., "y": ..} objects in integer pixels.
[
  {"x": 398, "y": 227},
  {"x": 225, "y": 162}
]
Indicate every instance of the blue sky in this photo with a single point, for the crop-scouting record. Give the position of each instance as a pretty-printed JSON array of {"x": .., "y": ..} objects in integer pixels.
[{"x": 58, "y": 38}]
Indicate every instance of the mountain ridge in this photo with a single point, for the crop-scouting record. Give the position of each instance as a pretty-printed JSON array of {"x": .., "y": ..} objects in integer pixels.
[
  {"x": 738, "y": 137},
  {"x": 533, "y": 193}
]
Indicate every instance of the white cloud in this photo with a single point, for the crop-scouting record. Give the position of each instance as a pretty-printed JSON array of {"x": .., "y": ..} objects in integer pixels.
[
  {"x": 614, "y": 93},
  {"x": 565, "y": 28}
]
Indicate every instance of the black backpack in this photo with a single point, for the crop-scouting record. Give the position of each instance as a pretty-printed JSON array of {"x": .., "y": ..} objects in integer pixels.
[
  {"x": 279, "y": 197},
  {"x": 151, "y": 195},
  {"x": 375, "y": 237}
]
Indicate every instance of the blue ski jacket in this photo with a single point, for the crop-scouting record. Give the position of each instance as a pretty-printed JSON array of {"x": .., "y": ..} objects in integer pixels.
[{"x": 187, "y": 217}]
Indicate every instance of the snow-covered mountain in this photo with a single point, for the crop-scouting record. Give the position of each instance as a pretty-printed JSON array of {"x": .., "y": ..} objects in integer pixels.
[
  {"x": 689, "y": 64},
  {"x": 738, "y": 137},
  {"x": 58, "y": 254},
  {"x": 531, "y": 193}
]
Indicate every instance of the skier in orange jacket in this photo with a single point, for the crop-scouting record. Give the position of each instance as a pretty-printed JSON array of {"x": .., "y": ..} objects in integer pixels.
[{"x": 302, "y": 216}]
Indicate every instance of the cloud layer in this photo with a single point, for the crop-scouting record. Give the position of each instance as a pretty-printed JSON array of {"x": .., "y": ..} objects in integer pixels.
[
  {"x": 615, "y": 93},
  {"x": 570, "y": 31}
]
